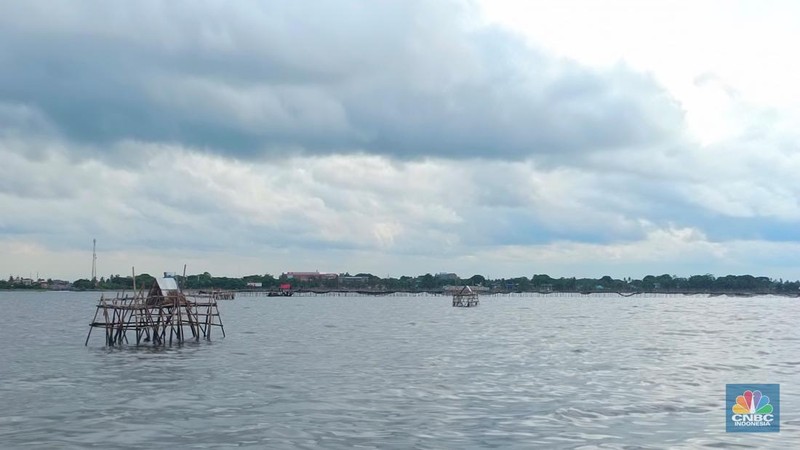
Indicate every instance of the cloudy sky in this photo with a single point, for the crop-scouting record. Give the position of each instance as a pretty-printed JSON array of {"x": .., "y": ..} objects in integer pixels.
[{"x": 503, "y": 137}]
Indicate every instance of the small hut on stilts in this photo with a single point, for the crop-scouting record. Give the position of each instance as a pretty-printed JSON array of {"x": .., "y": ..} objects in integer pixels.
[
  {"x": 165, "y": 314},
  {"x": 466, "y": 297}
]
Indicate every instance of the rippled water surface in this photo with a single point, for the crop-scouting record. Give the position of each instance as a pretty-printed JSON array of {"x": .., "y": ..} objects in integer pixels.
[{"x": 393, "y": 372}]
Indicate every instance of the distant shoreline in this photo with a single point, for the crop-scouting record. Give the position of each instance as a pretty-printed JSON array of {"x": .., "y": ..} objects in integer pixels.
[
  {"x": 378, "y": 292},
  {"x": 375, "y": 292}
]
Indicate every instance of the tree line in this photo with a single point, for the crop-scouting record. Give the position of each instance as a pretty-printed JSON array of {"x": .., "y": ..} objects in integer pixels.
[{"x": 428, "y": 282}]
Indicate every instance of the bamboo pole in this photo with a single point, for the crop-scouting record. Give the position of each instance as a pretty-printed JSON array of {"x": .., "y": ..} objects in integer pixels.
[{"x": 91, "y": 325}]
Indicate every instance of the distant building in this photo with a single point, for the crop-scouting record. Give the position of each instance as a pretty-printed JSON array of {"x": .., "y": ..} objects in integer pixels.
[
  {"x": 353, "y": 281},
  {"x": 311, "y": 276},
  {"x": 59, "y": 285},
  {"x": 253, "y": 284}
]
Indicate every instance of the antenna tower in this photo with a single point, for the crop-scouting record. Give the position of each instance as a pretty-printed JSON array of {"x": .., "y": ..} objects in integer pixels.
[{"x": 94, "y": 262}]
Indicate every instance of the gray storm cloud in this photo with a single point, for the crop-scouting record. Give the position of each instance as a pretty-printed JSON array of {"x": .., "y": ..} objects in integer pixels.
[{"x": 403, "y": 79}]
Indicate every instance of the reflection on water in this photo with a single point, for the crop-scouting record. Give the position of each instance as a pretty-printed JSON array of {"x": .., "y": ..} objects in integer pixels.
[{"x": 402, "y": 372}]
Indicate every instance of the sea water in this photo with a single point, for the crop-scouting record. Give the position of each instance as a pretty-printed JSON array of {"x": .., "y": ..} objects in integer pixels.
[{"x": 402, "y": 372}]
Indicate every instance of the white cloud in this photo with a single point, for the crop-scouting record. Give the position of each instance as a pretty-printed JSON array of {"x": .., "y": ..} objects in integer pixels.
[{"x": 748, "y": 44}]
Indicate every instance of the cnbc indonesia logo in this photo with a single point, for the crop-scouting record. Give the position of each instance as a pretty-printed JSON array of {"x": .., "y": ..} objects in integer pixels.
[
  {"x": 752, "y": 410},
  {"x": 752, "y": 406}
]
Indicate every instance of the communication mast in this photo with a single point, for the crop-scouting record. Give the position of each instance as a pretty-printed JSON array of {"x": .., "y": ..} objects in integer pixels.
[{"x": 94, "y": 262}]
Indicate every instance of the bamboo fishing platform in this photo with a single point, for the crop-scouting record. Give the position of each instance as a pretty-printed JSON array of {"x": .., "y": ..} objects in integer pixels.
[
  {"x": 165, "y": 314},
  {"x": 466, "y": 298},
  {"x": 218, "y": 294}
]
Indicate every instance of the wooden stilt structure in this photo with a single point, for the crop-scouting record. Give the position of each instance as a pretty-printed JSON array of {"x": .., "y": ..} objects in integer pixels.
[
  {"x": 466, "y": 297},
  {"x": 218, "y": 294},
  {"x": 162, "y": 316}
]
